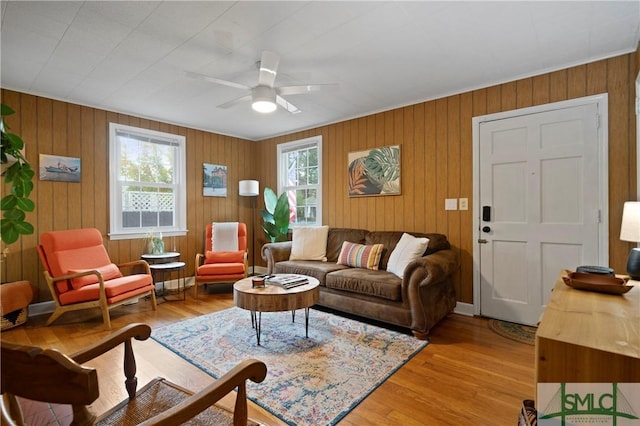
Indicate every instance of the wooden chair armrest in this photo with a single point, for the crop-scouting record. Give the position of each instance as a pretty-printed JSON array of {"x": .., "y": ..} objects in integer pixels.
[
  {"x": 134, "y": 263},
  {"x": 249, "y": 369},
  {"x": 136, "y": 331},
  {"x": 199, "y": 259}
]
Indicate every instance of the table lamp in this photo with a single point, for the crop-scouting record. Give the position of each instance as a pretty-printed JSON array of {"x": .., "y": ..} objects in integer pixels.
[
  {"x": 250, "y": 188},
  {"x": 630, "y": 231}
]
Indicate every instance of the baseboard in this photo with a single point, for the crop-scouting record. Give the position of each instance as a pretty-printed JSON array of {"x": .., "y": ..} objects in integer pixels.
[
  {"x": 464, "y": 309},
  {"x": 41, "y": 308}
]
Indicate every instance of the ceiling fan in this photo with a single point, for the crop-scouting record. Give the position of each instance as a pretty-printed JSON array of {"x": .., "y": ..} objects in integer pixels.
[{"x": 265, "y": 96}]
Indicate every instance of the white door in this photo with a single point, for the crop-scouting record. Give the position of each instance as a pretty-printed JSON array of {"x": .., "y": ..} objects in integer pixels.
[{"x": 538, "y": 207}]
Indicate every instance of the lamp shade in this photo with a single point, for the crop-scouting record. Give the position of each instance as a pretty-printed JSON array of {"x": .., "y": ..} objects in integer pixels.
[
  {"x": 630, "y": 229},
  {"x": 248, "y": 188}
]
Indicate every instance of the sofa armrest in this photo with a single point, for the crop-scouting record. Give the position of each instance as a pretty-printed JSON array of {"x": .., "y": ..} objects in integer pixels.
[
  {"x": 428, "y": 289},
  {"x": 275, "y": 252},
  {"x": 432, "y": 268}
]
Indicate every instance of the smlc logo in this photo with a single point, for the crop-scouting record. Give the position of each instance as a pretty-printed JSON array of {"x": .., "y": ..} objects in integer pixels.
[{"x": 588, "y": 403}]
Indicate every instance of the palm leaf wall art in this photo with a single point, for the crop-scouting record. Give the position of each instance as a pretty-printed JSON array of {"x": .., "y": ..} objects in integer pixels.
[{"x": 374, "y": 172}]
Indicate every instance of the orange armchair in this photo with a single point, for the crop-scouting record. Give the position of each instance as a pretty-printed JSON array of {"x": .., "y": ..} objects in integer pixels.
[
  {"x": 215, "y": 266},
  {"x": 80, "y": 274}
]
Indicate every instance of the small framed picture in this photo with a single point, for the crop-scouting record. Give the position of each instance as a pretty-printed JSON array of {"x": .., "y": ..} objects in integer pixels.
[
  {"x": 59, "y": 168},
  {"x": 214, "y": 180}
]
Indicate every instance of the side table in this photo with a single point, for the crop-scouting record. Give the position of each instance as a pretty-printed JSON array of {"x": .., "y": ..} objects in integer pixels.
[{"x": 162, "y": 264}]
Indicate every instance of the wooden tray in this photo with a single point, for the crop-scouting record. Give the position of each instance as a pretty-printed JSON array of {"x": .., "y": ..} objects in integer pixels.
[{"x": 596, "y": 282}]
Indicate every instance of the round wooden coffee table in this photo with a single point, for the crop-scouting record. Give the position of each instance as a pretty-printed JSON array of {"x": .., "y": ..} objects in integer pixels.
[{"x": 274, "y": 298}]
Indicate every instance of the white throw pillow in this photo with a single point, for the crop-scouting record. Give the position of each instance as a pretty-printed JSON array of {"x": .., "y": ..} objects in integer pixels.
[
  {"x": 309, "y": 243},
  {"x": 408, "y": 249}
]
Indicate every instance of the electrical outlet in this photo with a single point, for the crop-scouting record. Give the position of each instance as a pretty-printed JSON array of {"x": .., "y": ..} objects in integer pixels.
[
  {"x": 451, "y": 204},
  {"x": 463, "y": 203}
]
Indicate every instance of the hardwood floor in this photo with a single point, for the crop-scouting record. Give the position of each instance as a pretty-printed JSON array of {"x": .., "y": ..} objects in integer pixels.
[{"x": 467, "y": 375}]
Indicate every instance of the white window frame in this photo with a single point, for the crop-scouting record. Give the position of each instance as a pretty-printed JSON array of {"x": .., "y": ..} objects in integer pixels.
[
  {"x": 117, "y": 231},
  {"x": 284, "y": 148}
]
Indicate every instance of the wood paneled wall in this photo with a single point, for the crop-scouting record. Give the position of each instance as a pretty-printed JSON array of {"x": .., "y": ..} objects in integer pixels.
[
  {"x": 59, "y": 128},
  {"x": 436, "y": 156}
]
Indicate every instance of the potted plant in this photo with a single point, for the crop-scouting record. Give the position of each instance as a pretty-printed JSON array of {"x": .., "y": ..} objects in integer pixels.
[
  {"x": 275, "y": 216},
  {"x": 18, "y": 173}
]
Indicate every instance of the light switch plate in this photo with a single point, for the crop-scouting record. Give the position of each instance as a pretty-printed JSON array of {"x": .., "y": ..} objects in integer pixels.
[
  {"x": 463, "y": 203},
  {"x": 451, "y": 204}
]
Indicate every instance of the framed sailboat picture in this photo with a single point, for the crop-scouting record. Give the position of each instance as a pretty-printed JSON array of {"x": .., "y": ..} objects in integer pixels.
[{"x": 59, "y": 168}]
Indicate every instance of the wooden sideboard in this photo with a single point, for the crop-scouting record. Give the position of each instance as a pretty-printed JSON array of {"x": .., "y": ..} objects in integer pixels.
[{"x": 587, "y": 337}]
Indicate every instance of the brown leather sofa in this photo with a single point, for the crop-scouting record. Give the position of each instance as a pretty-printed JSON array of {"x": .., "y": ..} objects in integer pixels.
[{"x": 418, "y": 301}]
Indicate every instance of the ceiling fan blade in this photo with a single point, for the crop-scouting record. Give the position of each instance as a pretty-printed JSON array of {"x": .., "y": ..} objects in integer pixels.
[
  {"x": 216, "y": 80},
  {"x": 307, "y": 88},
  {"x": 287, "y": 105},
  {"x": 235, "y": 101},
  {"x": 268, "y": 68}
]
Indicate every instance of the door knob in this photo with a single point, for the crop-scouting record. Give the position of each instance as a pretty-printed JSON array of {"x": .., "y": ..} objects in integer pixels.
[{"x": 486, "y": 229}]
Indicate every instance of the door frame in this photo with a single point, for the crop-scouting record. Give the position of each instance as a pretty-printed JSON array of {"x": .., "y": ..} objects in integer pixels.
[{"x": 601, "y": 102}]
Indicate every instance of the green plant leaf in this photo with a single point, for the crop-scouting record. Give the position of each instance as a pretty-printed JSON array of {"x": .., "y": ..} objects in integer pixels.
[
  {"x": 16, "y": 143},
  {"x": 6, "y": 110},
  {"x": 26, "y": 204},
  {"x": 9, "y": 233},
  {"x": 20, "y": 178},
  {"x": 383, "y": 164},
  {"x": 8, "y": 202},
  {"x": 14, "y": 215},
  {"x": 267, "y": 217},
  {"x": 270, "y": 200},
  {"x": 270, "y": 230},
  {"x": 275, "y": 216},
  {"x": 24, "y": 228}
]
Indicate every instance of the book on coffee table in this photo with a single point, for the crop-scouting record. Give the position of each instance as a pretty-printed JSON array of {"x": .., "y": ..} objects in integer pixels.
[{"x": 287, "y": 281}]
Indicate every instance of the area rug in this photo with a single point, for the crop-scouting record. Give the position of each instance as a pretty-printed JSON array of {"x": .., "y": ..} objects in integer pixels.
[
  {"x": 518, "y": 332},
  {"x": 310, "y": 381}
]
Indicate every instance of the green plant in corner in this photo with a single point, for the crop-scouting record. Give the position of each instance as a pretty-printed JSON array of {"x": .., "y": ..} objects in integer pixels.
[
  {"x": 19, "y": 175},
  {"x": 275, "y": 216}
]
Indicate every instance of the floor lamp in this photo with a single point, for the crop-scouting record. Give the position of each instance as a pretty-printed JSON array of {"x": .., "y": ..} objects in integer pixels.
[{"x": 251, "y": 188}]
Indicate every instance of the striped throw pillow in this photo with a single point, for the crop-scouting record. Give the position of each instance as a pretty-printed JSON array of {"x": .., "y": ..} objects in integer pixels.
[{"x": 360, "y": 256}]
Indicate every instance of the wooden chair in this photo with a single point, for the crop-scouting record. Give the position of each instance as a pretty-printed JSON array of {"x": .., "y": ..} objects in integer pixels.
[
  {"x": 50, "y": 376},
  {"x": 80, "y": 274},
  {"x": 221, "y": 266}
]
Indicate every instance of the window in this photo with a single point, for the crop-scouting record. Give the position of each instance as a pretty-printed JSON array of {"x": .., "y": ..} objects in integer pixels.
[
  {"x": 300, "y": 175},
  {"x": 147, "y": 183}
]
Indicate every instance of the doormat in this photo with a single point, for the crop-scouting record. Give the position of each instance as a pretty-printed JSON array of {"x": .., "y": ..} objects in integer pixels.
[
  {"x": 310, "y": 381},
  {"x": 518, "y": 332}
]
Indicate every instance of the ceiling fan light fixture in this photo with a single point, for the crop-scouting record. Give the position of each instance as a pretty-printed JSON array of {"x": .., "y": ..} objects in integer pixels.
[{"x": 264, "y": 99}]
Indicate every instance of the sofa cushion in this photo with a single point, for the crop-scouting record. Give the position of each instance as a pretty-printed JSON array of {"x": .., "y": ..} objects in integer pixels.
[
  {"x": 108, "y": 272},
  {"x": 231, "y": 268},
  {"x": 360, "y": 255},
  {"x": 408, "y": 249},
  {"x": 390, "y": 239},
  {"x": 309, "y": 243},
  {"x": 224, "y": 256},
  {"x": 337, "y": 236},
  {"x": 312, "y": 268},
  {"x": 364, "y": 281},
  {"x": 116, "y": 289}
]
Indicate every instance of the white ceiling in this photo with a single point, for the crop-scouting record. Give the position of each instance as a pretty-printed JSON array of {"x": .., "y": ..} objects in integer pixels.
[{"x": 131, "y": 56}]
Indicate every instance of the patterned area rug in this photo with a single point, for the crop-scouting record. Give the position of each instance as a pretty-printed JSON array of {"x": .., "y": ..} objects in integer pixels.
[
  {"x": 310, "y": 381},
  {"x": 518, "y": 332}
]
